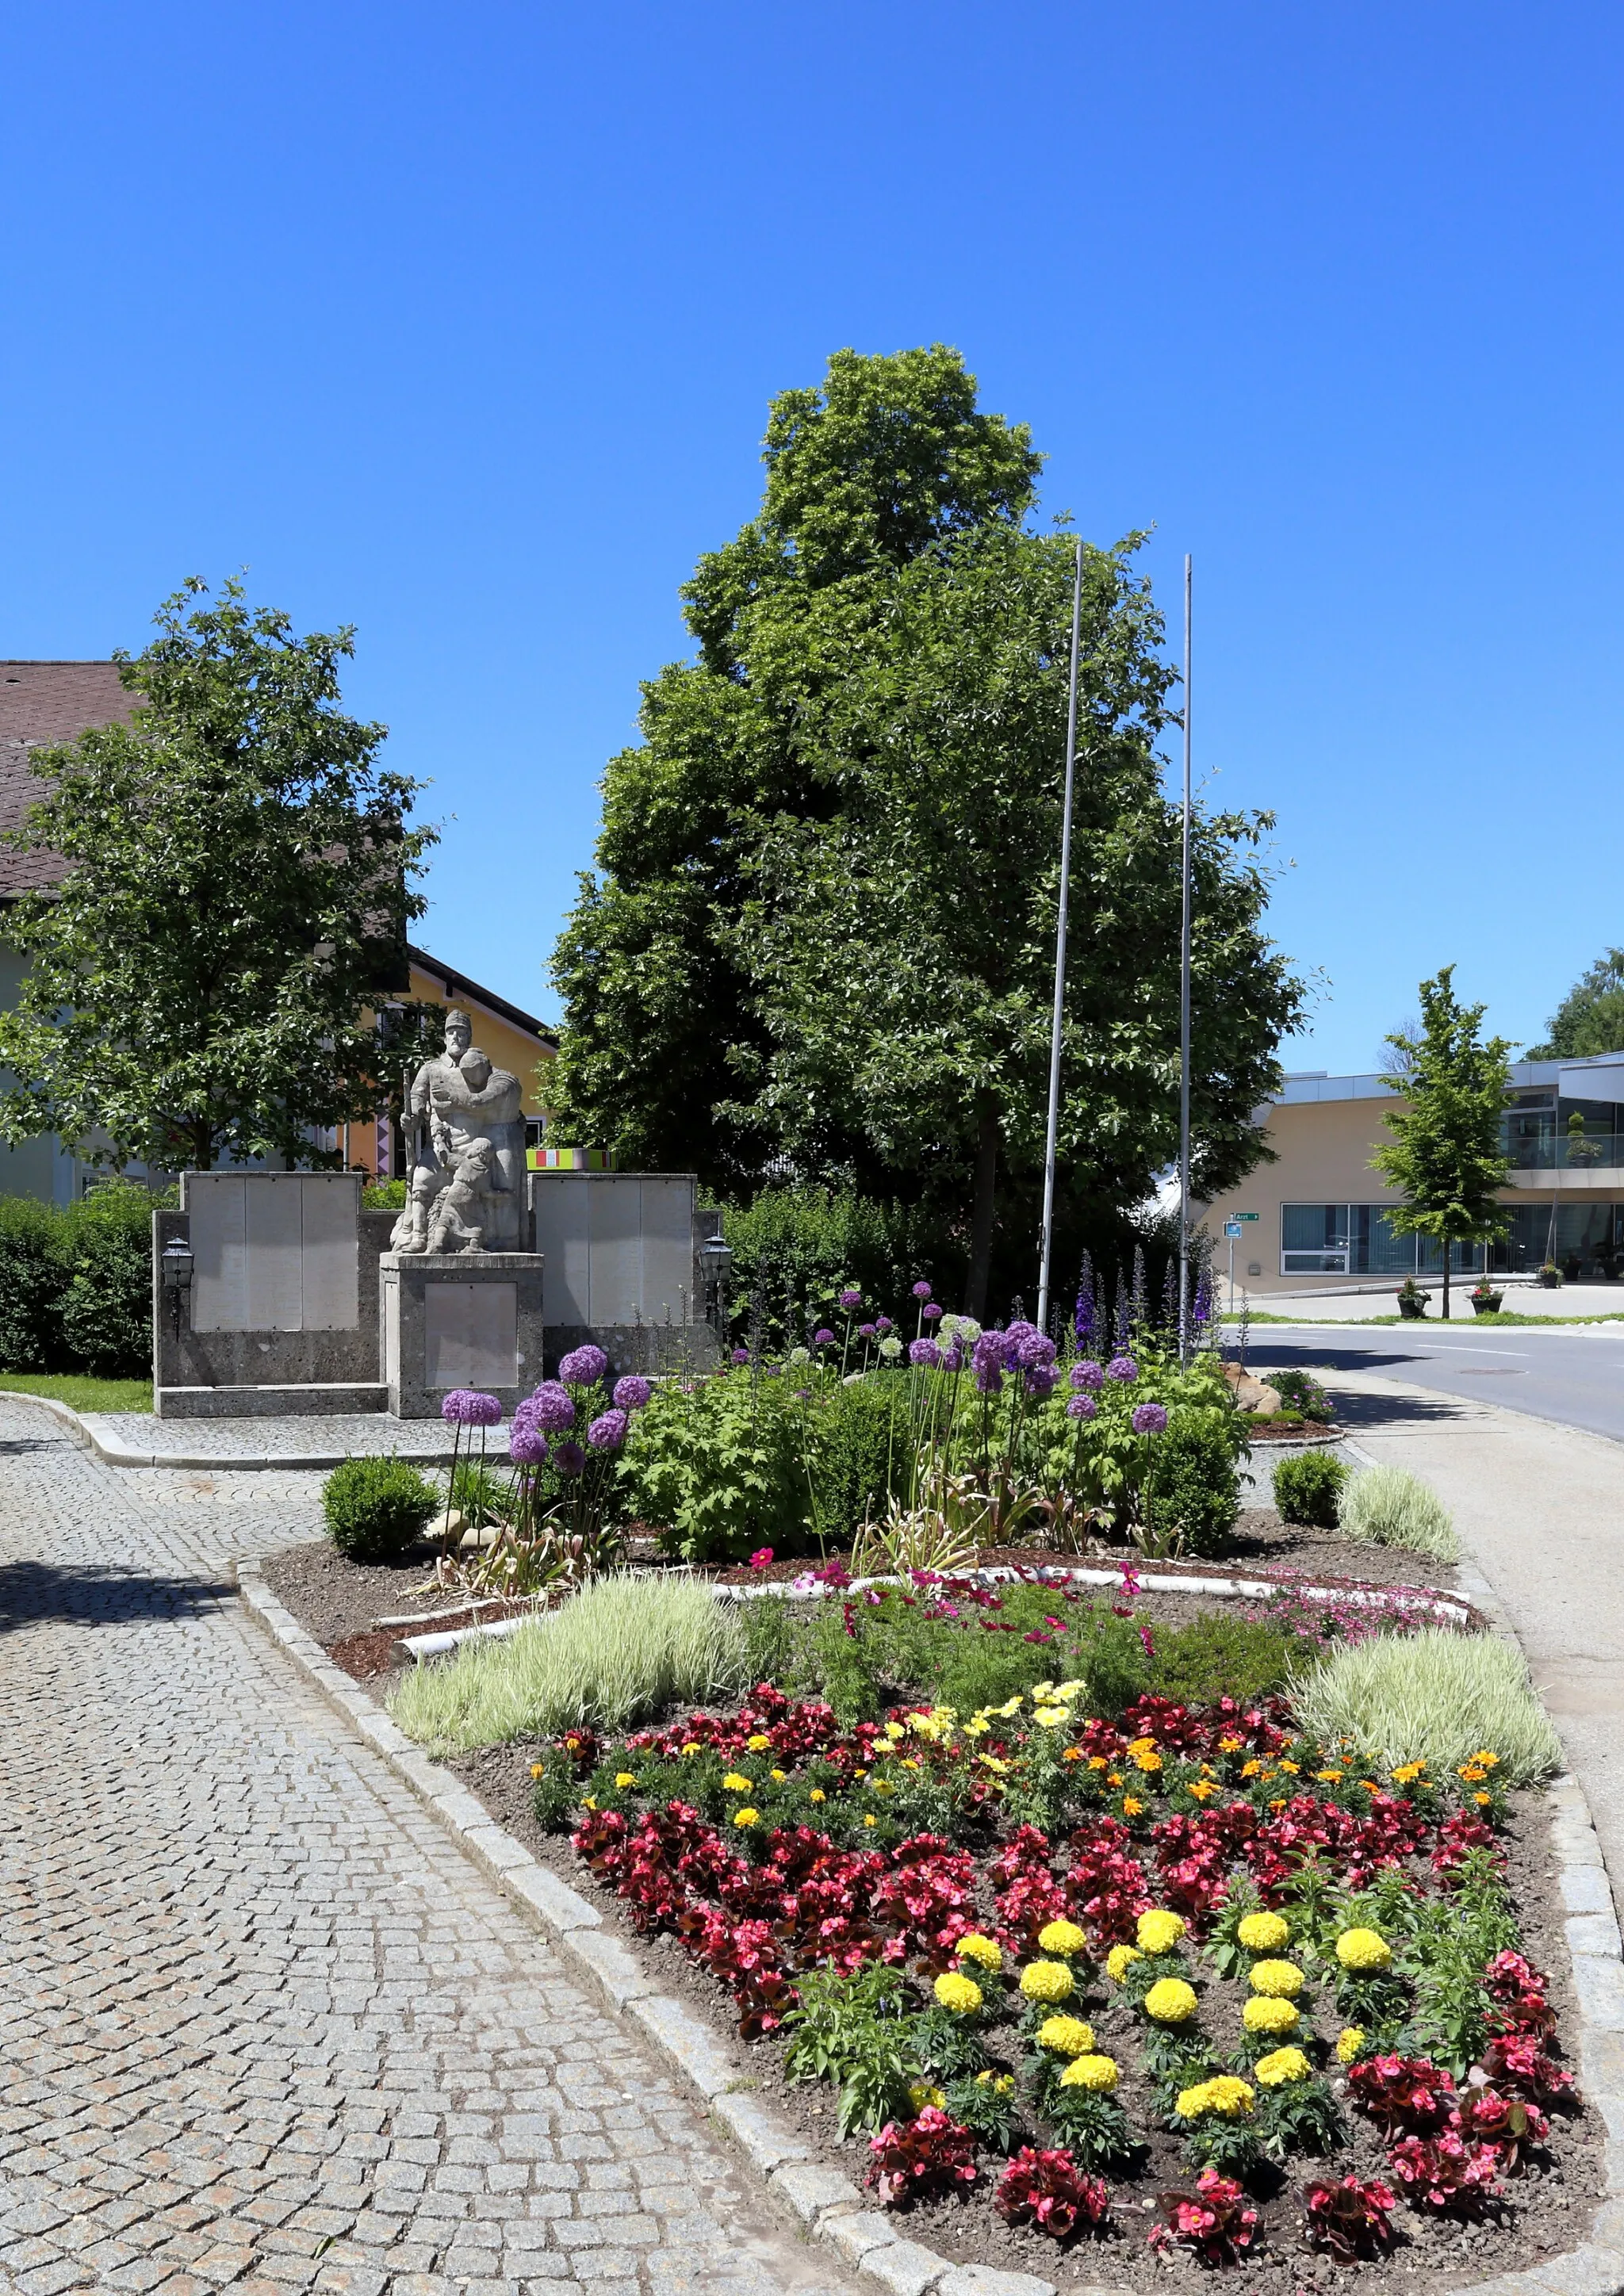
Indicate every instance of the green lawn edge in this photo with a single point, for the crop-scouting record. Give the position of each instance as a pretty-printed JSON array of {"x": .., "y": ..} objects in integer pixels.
[
  {"x": 1505, "y": 1320},
  {"x": 80, "y": 1393}
]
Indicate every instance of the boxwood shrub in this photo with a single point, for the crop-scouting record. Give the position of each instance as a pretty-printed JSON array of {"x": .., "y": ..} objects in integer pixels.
[{"x": 377, "y": 1509}]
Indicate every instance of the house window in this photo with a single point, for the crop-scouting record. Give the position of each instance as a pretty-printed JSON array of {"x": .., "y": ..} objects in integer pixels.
[{"x": 1313, "y": 1239}]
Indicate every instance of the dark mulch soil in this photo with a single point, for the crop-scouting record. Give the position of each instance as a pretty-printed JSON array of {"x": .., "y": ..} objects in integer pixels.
[
  {"x": 1291, "y": 1431},
  {"x": 1549, "y": 2205},
  {"x": 340, "y": 1604}
]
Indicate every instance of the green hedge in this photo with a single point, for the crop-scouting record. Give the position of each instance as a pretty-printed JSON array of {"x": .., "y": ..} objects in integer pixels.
[
  {"x": 793, "y": 1249},
  {"x": 76, "y": 1283}
]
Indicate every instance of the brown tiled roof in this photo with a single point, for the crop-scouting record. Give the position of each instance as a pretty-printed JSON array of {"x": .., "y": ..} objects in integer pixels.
[{"x": 45, "y": 701}]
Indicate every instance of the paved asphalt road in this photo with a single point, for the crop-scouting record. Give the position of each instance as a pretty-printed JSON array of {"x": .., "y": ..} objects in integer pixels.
[{"x": 1573, "y": 1375}]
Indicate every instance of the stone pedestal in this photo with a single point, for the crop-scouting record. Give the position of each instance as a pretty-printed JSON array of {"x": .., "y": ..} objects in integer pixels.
[{"x": 458, "y": 1319}]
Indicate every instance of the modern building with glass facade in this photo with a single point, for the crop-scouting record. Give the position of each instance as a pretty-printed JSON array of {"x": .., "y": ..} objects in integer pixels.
[{"x": 1319, "y": 1214}]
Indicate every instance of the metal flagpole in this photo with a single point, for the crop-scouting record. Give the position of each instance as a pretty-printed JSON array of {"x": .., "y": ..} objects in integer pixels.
[
  {"x": 1183, "y": 1020},
  {"x": 1048, "y": 1237}
]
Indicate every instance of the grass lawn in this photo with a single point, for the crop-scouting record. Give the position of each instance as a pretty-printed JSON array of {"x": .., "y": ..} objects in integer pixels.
[{"x": 82, "y": 1394}]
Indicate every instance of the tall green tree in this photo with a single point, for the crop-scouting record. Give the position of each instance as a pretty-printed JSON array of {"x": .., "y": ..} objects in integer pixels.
[
  {"x": 1590, "y": 1018},
  {"x": 820, "y": 939},
  {"x": 238, "y": 891},
  {"x": 1446, "y": 1154}
]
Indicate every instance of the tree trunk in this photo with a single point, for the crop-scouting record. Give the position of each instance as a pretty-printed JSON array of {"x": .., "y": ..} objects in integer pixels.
[
  {"x": 980, "y": 1224},
  {"x": 1445, "y": 1279},
  {"x": 202, "y": 1147}
]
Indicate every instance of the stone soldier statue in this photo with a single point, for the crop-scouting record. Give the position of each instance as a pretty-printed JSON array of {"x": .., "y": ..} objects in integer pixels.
[{"x": 457, "y": 1098}]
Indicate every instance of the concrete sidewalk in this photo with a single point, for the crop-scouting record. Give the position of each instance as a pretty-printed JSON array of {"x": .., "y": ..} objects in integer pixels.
[
  {"x": 1358, "y": 1307},
  {"x": 1540, "y": 1508}
]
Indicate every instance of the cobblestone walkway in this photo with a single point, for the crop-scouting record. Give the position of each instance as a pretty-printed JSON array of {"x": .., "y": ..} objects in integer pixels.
[{"x": 261, "y": 2025}]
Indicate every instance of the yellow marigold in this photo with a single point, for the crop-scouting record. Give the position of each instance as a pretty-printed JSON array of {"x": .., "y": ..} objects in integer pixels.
[
  {"x": 1350, "y": 2043},
  {"x": 1282, "y": 1979},
  {"x": 908, "y": 1763},
  {"x": 958, "y": 1993},
  {"x": 693, "y": 1747},
  {"x": 1202, "y": 1789},
  {"x": 537, "y": 1769},
  {"x": 1482, "y": 1800},
  {"x": 745, "y": 1816},
  {"x": 1250, "y": 1769},
  {"x": 1362, "y": 1949},
  {"x": 625, "y": 1778},
  {"x": 1068, "y": 2037},
  {"x": 1158, "y": 1932},
  {"x": 1329, "y": 1778},
  {"x": 1230, "y": 1745},
  {"x": 1490, "y": 1761},
  {"x": 1132, "y": 1807},
  {"x": 1263, "y": 1933},
  {"x": 759, "y": 1742},
  {"x": 1146, "y": 1756},
  {"x": 991, "y": 1762},
  {"x": 779, "y": 1776},
  {"x": 1098, "y": 1762},
  {"x": 1000, "y": 2084},
  {"x": 923, "y": 2093},
  {"x": 1063, "y": 1937},
  {"x": 736, "y": 1781},
  {"x": 1171, "y": 2001},
  {"x": 1281, "y": 2066},
  {"x": 817, "y": 1794},
  {"x": 1046, "y": 1980},
  {"x": 1120, "y": 1960},
  {"x": 870, "y": 1819},
  {"x": 1264, "y": 2015},
  {"x": 1222, "y": 2095},
  {"x": 982, "y": 1949},
  {"x": 1097, "y": 2075}
]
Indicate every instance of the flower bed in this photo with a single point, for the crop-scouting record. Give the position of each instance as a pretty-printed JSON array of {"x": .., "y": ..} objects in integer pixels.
[{"x": 1059, "y": 1981}]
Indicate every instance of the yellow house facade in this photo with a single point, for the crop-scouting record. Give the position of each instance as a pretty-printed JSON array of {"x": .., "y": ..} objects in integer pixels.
[{"x": 1317, "y": 1218}]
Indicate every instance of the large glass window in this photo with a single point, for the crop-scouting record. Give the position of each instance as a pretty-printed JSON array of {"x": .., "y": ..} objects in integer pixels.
[
  {"x": 1313, "y": 1239},
  {"x": 1376, "y": 1250}
]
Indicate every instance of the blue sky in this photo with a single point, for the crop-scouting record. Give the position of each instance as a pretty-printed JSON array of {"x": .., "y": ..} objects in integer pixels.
[{"x": 460, "y": 324}]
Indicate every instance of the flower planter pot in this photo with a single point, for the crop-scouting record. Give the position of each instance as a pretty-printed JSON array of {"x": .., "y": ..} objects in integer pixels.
[
  {"x": 1489, "y": 1305},
  {"x": 1412, "y": 1310},
  {"x": 1550, "y": 1279}
]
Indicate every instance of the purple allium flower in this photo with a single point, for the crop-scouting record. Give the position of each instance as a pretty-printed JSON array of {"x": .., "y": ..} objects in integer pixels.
[
  {"x": 1082, "y": 1407},
  {"x": 932, "y": 1314},
  {"x": 822, "y": 1337},
  {"x": 480, "y": 1410},
  {"x": 527, "y": 1446},
  {"x": 569, "y": 1458},
  {"x": 607, "y": 1432},
  {"x": 922, "y": 1290},
  {"x": 451, "y": 1406},
  {"x": 1041, "y": 1379},
  {"x": 952, "y": 1358},
  {"x": 1031, "y": 1345},
  {"x": 1087, "y": 1375},
  {"x": 882, "y": 1323},
  {"x": 741, "y": 1355},
  {"x": 1123, "y": 1368},
  {"x": 584, "y": 1366},
  {"x": 550, "y": 1407},
  {"x": 868, "y": 1330},
  {"x": 1149, "y": 1419},
  {"x": 924, "y": 1351},
  {"x": 851, "y": 1297},
  {"x": 633, "y": 1391}
]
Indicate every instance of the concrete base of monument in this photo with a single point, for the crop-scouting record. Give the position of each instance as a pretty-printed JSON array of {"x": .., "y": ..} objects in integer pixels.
[
  {"x": 323, "y": 1400},
  {"x": 469, "y": 1319}
]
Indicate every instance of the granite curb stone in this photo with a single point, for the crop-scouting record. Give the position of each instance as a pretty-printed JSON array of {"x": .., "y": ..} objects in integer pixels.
[{"x": 831, "y": 2206}]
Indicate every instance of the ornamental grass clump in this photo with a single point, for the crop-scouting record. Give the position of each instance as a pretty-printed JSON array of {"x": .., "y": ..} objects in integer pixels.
[
  {"x": 623, "y": 1649},
  {"x": 1391, "y": 1507},
  {"x": 1434, "y": 1696}
]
